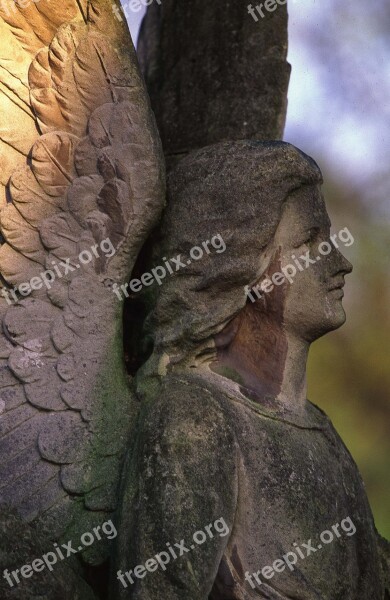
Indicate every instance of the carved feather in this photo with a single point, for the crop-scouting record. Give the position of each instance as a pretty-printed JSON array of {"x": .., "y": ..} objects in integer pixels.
[{"x": 23, "y": 32}]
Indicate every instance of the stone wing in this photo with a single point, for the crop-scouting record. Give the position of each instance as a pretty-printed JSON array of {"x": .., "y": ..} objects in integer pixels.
[{"x": 81, "y": 187}]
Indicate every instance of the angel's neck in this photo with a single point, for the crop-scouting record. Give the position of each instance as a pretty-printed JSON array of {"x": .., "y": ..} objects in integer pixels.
[{"x": 268, "y": 362}]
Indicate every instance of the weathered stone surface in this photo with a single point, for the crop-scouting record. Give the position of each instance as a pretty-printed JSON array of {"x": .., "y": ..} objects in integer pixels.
[
  {"x": 213, "y": 73},
  {"x": 20, "y": 546}
]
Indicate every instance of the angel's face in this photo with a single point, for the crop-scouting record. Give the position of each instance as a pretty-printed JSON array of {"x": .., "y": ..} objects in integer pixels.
[{"x": 310, "y": 303}]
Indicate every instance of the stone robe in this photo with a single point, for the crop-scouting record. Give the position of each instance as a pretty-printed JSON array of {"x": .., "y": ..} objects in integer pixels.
[{"x": 206, "y": 452}]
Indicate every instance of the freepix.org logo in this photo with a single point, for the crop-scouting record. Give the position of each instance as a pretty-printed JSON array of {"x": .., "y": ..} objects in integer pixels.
[
  {"x": 11, "y": 6},
  {"x": 58, "y": 270},
  {"x": 301, "y": 552},
  {"x": 132, "y": 6},
  {"x": 170, "y": 266},
  {"x": 268, "y": 5},
  {"x": 162, "y": 559},
  {"x": 298, "y": 264},
  {"x": 60, "y": 553}
]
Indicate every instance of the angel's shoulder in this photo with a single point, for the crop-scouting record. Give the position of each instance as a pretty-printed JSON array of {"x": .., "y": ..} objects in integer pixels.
[{"x": 184, "y": 406}]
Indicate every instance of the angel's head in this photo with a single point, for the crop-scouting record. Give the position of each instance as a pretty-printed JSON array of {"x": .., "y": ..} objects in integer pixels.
[{"x": 264, "y": 200}]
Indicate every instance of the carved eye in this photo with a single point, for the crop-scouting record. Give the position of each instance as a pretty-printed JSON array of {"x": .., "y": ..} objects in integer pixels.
[
  {"x": 311, "y": 236},
  {"x": 303, "y": 242}
]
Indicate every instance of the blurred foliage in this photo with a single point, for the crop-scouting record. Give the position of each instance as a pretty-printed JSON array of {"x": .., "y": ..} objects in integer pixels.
[
  {"x": 339, "y": 113},
  {"x": 349, "y": 370}
]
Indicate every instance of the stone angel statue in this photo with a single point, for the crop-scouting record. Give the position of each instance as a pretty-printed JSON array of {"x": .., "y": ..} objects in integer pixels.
[
  {"x": 207, "y": 473},
  {"x": 81, "y": 187}
]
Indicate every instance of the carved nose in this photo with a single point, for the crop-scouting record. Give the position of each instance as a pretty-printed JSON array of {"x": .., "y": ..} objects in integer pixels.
[
  {"x": 344, "y": 266},
  {"x": 348, "y": 267}
]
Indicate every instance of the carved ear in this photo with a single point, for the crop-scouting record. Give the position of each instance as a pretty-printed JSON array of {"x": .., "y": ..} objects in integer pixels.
[{"x": 82, "y": 163}]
